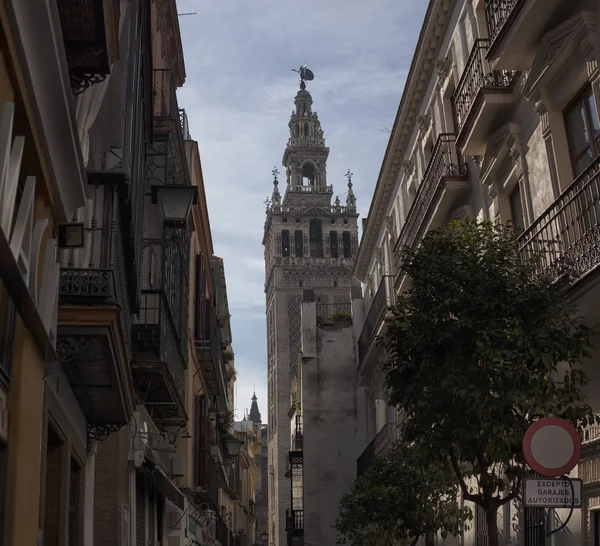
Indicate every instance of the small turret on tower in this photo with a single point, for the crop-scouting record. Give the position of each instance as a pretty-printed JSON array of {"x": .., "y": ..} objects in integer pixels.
[
  {"x": 254, "y": 413},
  {"x": 350, "y": 198}
]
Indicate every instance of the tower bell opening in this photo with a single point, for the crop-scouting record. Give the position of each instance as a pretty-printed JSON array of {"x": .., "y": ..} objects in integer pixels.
[{"x": 308, "y": 175}]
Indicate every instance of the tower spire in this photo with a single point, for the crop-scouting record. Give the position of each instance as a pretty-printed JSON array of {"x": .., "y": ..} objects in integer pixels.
[
  {"x": 350, "y": 198},
  {"x": 276, "y": 197},
  {"x": 254, "y": 413}
]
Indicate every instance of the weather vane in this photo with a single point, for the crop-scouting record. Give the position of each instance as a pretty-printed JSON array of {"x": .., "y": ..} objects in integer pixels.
[
  {"x": 349, "y": 176},
  {"x": 306, "y": 75},
  {"x": 275, "y": 173}
]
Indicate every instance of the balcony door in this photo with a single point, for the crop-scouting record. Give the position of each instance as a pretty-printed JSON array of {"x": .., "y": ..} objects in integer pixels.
[{"x": 583, "y": 130}]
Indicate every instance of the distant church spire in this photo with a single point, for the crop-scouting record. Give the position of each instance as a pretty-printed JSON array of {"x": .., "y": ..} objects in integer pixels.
[{"x": 254, "y": 413}]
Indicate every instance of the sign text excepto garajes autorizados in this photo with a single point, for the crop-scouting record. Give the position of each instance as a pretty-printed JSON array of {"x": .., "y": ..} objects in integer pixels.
[{"x": 552, "y": 493}]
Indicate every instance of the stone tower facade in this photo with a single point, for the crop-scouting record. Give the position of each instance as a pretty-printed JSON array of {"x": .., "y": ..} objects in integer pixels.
[{"x": 310, "y": 243}]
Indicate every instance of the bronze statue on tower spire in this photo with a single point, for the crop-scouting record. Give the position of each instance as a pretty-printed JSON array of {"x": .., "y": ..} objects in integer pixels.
[{"x": 306, "y": 75}]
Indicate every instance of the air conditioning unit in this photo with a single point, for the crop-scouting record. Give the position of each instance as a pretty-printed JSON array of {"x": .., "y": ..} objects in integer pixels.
[
  {"x": 177, "y": 466},
  {"x": 3, "y": 416}
]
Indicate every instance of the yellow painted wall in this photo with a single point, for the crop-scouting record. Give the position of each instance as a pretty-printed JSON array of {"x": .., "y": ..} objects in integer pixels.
[{"x": 25, "y": 404}]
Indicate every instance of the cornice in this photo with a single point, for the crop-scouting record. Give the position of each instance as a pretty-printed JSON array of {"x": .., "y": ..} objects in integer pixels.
[{"x": 421, "y": 70}]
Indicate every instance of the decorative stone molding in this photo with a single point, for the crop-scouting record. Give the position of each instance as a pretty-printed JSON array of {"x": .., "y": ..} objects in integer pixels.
[
  {"x": 423, "y": 122},
  {"x": 443, "y": 67},
  {"x": 409, "y": 167},
  {"x": 515, "y": 155}
]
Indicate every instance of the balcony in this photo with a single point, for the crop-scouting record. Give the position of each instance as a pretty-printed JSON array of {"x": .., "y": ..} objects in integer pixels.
[
  {"x": 206, "y": 479},
  {"x": 298, "y": 434},
  {"x": 159, "y": 365},
  {"x": 482, "y": 100},
  {"x": 209, "y": 351},
  {"x": 90, "y": 31},
  {"x": 297, "y": 523},
  {"x": 384, "y": 299},
  {"x": 94, "y": 320},
  {"x": 384, "y": 440},
  {"x": 171, "y": 130},
  {"x": 591, "y": 436},
  {"x": 565, "y": 239},
  {"x": 515, "y": 28},
  {"x": 445, "y": 186}
]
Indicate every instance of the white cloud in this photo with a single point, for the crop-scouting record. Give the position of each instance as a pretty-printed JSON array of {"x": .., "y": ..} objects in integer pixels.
[{"x": 238, "y": 96}]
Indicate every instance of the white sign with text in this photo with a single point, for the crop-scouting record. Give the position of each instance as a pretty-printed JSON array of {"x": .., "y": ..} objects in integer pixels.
[{"x": 552, "y": 493}]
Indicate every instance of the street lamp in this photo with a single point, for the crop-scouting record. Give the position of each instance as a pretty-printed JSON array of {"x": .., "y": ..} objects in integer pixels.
[
  {"x": 264, "y": 537},
  {"x": 233, "y": 446},
  {"x": 174, "y": 202}
]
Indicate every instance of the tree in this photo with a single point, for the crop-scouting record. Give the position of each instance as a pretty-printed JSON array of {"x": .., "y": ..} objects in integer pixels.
[
  {"x": 478, "y": 349},
  {"x": 401, "y": 497}
]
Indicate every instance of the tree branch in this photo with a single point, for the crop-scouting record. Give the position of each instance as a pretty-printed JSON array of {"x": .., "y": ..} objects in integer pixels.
[
  {"x": 513, "y": 495},
  {"x": 461, "y": 480}
]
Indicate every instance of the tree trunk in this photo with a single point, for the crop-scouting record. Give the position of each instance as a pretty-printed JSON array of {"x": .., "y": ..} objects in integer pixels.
[{"x": 491, "y": 518}]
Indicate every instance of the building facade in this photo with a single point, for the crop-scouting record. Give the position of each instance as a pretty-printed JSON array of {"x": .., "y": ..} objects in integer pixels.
[
  {"x": 498, "y": 120},
  {"x": 116, "y": 364},
  {"x": 310, "y": 243}
]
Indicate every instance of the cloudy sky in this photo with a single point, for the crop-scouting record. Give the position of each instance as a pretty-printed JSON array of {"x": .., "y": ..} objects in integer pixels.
[{"x": 239, "y": 95}]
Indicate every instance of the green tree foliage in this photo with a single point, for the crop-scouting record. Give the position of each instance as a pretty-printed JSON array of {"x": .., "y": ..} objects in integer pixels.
[
  {"x": 479, "y": 347},
  {"x": 401, "y": 497}
]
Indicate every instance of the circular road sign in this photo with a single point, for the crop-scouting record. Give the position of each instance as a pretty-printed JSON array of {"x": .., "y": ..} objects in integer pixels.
[{"x": 552, "y": 447}]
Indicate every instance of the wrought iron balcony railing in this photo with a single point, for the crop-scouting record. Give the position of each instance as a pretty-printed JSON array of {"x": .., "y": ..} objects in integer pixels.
[
  {"x": 384, "y": 440},
  {"x": 477, "y": 77},
  {"x": 334, "y": 313},
  {"x": 97, "y": 274},
  {"x": 298, "y": 522},
  {"x": 497, "y": 14},
  {"x": 171, "y": 119},
  {"x": 209, "y": 349},
  {"x": 383, "y": 300},
  {"x": 207, "y": 478},
  {"x": 564, "y": 242},
  {"x": 156, "y": 341},
  {"x": 445, "y": 162},
  {"x": 167, "y": 263},
  {"x": 165, "y": 94}
]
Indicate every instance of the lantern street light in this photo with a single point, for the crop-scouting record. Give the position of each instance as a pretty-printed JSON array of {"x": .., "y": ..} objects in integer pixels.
[
  {"x": 264, "y": 537},
  {"x": 174, "y": 202},
  {"x": 233, "y": 446}
]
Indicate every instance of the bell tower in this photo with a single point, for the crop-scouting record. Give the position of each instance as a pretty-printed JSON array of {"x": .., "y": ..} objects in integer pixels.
[{"x": 310, "y": 243}]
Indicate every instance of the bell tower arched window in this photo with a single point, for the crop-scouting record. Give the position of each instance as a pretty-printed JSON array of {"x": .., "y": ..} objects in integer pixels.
[
  {"x": 316, "y": 238},
  {"x": 308, "y": 175}
]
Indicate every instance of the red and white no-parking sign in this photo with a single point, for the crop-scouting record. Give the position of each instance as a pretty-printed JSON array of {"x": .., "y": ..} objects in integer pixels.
[{"x": 552, "y": 447}]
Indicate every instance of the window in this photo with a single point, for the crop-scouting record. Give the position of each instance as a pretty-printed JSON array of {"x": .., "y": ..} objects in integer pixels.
[
  {"x": 583, "y": 130},
  {"x": 535, "y": 527},
  {"x": 285, "y": 243},
  {"x": 308, "y": 171},
  {"x": 334, "y": 244},
  {"x": 299, "y": 243},
  {"x": 316, "y": 238},
  {"x": 516, "y": 210},
  {"x": 347, "y": 243}
]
